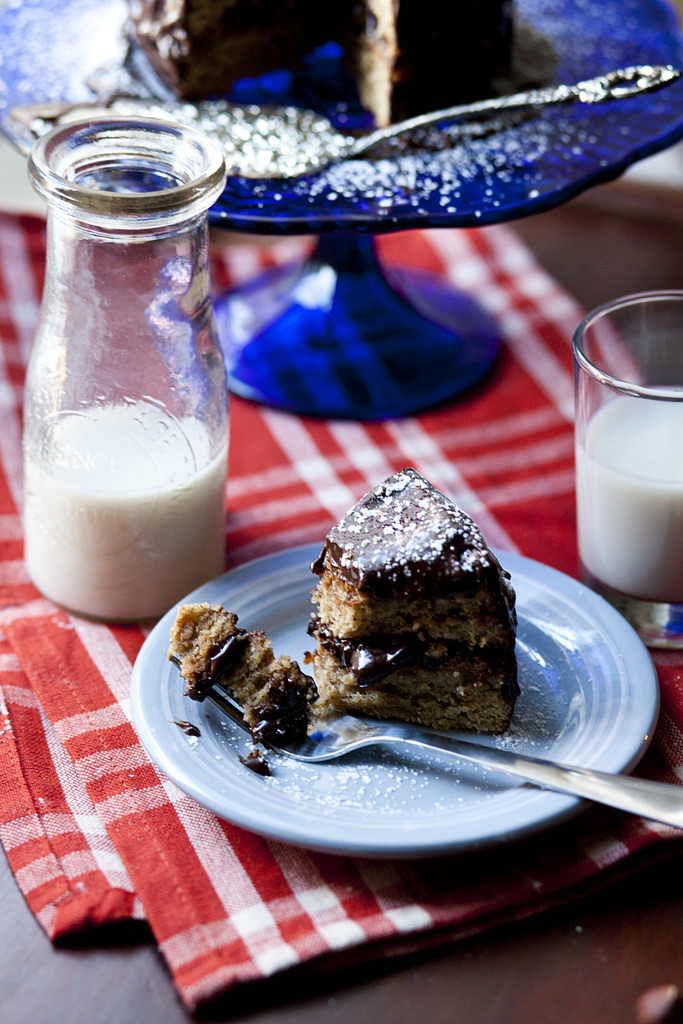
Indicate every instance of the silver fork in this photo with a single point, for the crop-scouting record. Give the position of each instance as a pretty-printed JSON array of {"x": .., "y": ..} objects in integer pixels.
[{"x": 340, "y": 735}]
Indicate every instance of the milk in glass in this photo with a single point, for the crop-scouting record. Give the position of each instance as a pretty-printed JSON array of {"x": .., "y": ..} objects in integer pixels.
[{"x": 630, "y": 498}]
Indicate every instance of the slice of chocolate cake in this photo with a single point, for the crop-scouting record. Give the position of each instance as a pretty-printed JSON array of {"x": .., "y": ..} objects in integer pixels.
[
  {"x": 209, "y": 647},
  {"x": 415, "y": 616}
]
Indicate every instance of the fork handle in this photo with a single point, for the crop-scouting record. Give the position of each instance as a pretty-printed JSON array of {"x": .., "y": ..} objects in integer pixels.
[
  {"x": 618, "y": 84},
  {"x": 658, "y": 801}
]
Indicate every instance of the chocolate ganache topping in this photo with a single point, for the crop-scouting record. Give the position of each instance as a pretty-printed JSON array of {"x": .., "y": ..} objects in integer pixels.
[{"x": 406, "y": 538}]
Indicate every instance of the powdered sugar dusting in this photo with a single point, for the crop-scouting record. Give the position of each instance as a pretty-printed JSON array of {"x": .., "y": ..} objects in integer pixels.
[{"x": 405, "y": 527}]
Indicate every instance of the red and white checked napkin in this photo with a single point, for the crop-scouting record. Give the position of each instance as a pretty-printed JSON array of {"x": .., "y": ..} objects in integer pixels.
[{"x": 94, "y": 833}]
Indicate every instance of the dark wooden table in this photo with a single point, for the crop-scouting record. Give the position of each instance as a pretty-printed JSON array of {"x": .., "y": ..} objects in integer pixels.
[{"x": 588, "y": 961}]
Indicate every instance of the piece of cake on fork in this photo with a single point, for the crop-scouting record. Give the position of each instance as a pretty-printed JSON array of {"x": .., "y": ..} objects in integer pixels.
[
  {"x": 210, "y": 648},
  {"x": 415, "y": 617}
]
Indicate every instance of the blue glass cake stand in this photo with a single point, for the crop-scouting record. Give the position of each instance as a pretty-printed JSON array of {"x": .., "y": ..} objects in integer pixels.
[{"x": 339, "y": 334}]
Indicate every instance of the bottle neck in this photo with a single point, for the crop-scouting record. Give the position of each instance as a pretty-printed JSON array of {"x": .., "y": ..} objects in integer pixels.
[
  {"x": 73, "y": 225},
  {"x": 130, "y": 268}
]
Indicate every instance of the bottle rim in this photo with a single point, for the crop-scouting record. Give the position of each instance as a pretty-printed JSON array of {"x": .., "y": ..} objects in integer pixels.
[{"x": 70, "y": 164}]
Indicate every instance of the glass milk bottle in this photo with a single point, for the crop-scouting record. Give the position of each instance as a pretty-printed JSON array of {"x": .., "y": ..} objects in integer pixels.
[{"x": 126, "y": 410}]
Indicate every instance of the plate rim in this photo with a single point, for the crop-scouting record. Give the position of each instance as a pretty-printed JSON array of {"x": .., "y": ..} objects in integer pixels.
[{"x": 251, "y": 818}]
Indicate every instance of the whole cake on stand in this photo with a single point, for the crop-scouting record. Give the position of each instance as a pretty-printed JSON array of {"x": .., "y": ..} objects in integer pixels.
[
  {"x": 405, "y": 56},
  {"x": 338, "y": 335}
]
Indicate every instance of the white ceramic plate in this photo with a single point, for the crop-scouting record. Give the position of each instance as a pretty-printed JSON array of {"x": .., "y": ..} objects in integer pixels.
[{"x": 589, "y": 697}]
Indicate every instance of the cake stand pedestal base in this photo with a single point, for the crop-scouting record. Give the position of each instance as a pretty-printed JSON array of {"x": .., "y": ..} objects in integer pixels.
[{"x": 339, "y": 336}]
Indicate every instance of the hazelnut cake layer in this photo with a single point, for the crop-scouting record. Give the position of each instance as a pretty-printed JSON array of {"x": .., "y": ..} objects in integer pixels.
[{"x": 415, "y": 616}]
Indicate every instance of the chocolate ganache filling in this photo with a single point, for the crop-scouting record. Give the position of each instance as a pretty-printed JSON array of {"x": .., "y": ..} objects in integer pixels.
[
  {"x": 224, "y": 659},
  {"x": 283, "y": 717},
  {"x": 373, "y": 660}
]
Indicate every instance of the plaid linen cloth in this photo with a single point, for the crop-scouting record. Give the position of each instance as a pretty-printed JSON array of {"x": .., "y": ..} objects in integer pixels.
[{"x": 94, "y": 833}]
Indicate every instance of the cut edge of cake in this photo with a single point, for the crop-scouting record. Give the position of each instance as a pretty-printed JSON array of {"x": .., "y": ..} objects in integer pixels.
[{"x": 405, "y": 59}]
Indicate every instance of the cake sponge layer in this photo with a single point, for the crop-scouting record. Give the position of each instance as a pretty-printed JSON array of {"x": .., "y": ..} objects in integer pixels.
[
  {"x": 460, "y": 693},
  {"x": 478, "y": 619}
]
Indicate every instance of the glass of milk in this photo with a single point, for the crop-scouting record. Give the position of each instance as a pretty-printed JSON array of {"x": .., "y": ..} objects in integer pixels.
[
  {"x": 125, "y": 407},
  {"x": 629, "y": 459}
]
